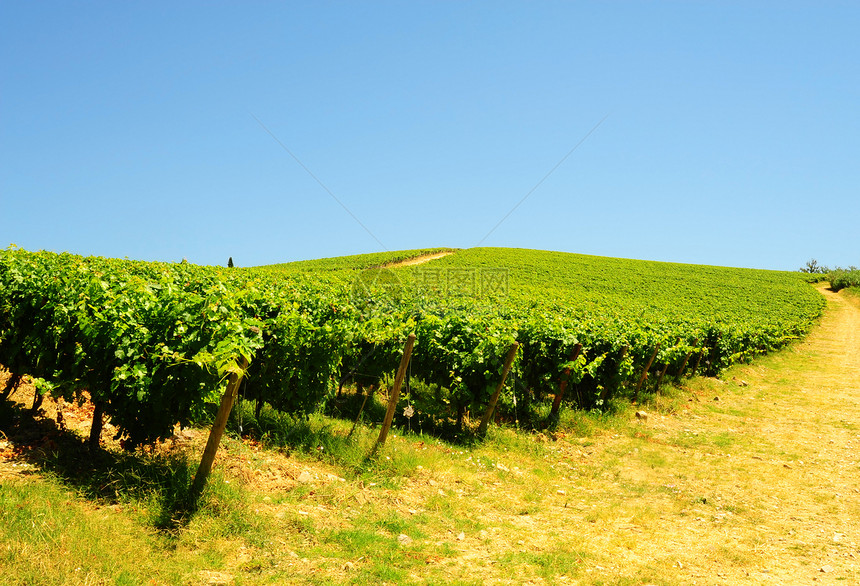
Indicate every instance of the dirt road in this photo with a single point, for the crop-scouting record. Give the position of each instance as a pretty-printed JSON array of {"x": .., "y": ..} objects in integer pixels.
[{"x": 418, "y": 260}]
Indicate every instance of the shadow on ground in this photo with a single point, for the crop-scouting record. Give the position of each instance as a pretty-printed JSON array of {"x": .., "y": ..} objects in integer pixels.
[{"x": 162, "y": 481}]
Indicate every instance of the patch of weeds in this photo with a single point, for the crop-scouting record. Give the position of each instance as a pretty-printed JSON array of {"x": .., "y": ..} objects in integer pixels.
[
  {"x": 736, "y": 557},
  {"x": 224, "y": 512},
  {"x": 394, "y": 523},
  {"x": 160, "y": 483},
  {"x": 335, "y": 442},
  {"x": 550, "y": 564},
  {"x": 382, "y": 556},
  {"x": 443, "y": 505},
  {"x": 634, "y": 488},
  {"x": 533, "y": 493},
  {"x": 669, "y": 399},
  {"x": 724, "y": 439},
  {"x": 670, "y": 489},
  {"x": 654, "y": 458},
  {"x": 314, "y": 435},
  {"x": 462, "y": 523},
  {"x": 578, "y": 423},
  {"x": 301, "y": 524},
  {"x": 395, "y": 459},
  {"x": 361, "y": 541},
  {"x": 388, "y": 573},
  {"x": 503, "y": 439},
  {"x": 699, "y": 439},
  {"x": 42, "y": 517},
  {"x": 447, "y": 582}
]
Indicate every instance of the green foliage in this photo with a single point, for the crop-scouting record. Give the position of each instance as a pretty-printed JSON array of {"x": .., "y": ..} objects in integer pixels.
[
  {"x": 844, "y": 278},
  {"x": 813, "y": 268},
  {"x": 153, "y": 343}
]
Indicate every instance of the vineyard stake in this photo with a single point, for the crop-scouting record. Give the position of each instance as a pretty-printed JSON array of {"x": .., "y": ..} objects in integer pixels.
[
  {"x": 662, "y": 374},
  {"x": 512, "y": 353},
  {"x": 684, "y": 364},
  {"x": 363, "y": 403},
  {"x": 11, "y": 386},
  {"x": 714, "y": 352},
  {"x": 645, "y": 371},
  {"x": 96, "y": 426},
  {"x": 217, "y": 431},
  {"x": 686, "y": 359},
  {"x": 395, "y": 392},
  {"x": 696, "y": 364},
  {"x": 562, "y": 386},
  {"x": 604, "y": 396}
]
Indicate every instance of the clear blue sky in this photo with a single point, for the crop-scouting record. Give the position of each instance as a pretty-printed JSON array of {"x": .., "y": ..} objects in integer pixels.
[{"x": 731, "y": 132}]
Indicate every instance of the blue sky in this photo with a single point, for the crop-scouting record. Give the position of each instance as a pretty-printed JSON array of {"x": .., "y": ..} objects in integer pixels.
[{"x": 730, "y": 133}]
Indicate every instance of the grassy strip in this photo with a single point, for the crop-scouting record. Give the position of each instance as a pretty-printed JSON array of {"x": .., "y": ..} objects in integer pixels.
[
  {"x": 51, "y": 534},
  {"x": 74, "y": 518}
]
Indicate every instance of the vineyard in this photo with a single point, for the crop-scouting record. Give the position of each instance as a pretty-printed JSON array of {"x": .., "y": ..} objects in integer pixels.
[{"x": 154, "y": 343}]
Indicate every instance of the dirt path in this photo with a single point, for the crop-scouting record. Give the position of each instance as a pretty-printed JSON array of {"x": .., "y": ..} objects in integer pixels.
[{"x": 418, "y": 260}]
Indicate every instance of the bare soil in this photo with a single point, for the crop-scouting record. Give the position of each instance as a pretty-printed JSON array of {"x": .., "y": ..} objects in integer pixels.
[{"x": 418, "y": 260}]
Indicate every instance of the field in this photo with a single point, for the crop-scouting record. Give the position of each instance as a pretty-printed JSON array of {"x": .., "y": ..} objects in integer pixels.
[{"x": 148, "y": 346}]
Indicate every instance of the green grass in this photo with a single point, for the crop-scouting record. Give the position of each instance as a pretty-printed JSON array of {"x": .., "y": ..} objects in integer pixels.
[{"x": 51, "y": 535}]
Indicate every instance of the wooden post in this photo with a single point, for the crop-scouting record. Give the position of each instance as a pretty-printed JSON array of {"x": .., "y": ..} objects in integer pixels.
[
  {"x": 645, "y": 370},
  {"x": 684, "y": 364},
  {"x": 696, "y": 364},
  {"x": 217, "y": 431},
  {"x": 714, "y": 351},
  {"x": 662, "y": 374},
  {"x": 361, "y": 409},
  {"x": 395, "y": 392},
  {"x": 562, "y": 386},
  {"x": 96, "y": 426},
  {"x": 12, "y": 384},
  {"x": 509, "y": 360},
  {"x": 604, "y": 396},
  {"x": 37, "y": 400},
  {"x": 686, "y": 359}
]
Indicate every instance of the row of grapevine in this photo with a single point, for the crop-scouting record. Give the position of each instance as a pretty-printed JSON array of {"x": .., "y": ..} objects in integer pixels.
[{"x": 154, "y": 342}]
